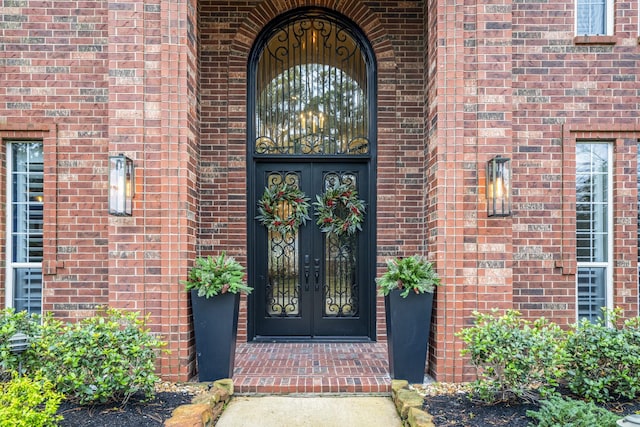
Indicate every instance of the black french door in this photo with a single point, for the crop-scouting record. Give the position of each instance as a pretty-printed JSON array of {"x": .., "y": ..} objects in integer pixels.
[{"x": 310, "y": 284}]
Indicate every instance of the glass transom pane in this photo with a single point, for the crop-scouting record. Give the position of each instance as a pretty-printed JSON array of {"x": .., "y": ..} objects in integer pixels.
[{"x": 311, "y": 87}]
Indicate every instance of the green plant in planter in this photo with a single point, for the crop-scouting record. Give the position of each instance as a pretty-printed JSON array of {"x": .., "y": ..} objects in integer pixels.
[
  {"x": 213, "y": 276},
  {"x": 410, "y": 274}
]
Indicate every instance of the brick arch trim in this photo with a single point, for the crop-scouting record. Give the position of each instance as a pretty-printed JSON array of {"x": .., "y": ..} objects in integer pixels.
[{"x": 358, "y": 12}]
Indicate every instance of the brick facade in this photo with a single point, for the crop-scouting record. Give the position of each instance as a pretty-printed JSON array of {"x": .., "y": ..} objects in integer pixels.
[{"x": 165, "y": 82}]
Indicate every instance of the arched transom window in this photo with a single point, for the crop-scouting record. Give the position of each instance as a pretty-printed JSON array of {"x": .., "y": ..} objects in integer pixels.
[{"x": 311, "y": 90}]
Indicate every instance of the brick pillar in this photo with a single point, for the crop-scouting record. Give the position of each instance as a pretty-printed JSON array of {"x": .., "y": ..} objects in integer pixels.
[
  {"x": 151, "y": 119},
  {"x": 472, "y": 116}
]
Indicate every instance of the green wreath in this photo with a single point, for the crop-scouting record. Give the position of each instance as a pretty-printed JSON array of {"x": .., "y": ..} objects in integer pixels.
[
  {"x": 283, "y": 197},
  {"x": 339, "y": 210}
]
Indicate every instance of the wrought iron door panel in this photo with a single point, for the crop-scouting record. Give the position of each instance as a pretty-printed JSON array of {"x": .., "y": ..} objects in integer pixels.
[
  {"x": 282, "y": 305},
  {"x": 282, "y": 286},
  {"x": 310, "y": 283},
  {"x": 340, "y": 288}
]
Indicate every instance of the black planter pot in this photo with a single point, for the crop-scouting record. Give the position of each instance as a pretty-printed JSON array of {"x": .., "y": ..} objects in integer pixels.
[
  {"x": 215, "y": 322},
  {"x": 408, "y": 327}
]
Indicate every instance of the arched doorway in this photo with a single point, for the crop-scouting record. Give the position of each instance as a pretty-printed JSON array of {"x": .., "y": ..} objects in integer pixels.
[{"x": 311, "y": 127}]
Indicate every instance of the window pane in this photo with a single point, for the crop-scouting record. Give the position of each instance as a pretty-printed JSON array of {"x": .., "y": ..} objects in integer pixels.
[
  {"x": 27, "y": 202},
  {"x": 591, "y": 292},
  {"x": 638, "y": 213},
  {"x": 591, "y": 17},
  {"x": 592, "y": 202},
  {"x": 27, "y": 288},
  {"x": 26, "y": 198}
]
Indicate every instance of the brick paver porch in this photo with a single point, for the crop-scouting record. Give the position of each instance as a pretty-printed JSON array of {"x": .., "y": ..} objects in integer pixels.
[{"x": 311, "y": 368}]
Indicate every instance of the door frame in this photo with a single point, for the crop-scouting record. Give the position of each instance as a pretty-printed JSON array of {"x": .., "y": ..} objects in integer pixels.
[{"x": 370, "y": 158}]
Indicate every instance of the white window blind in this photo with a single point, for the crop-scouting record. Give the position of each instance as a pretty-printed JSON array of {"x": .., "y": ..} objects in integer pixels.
[
  {"x": 593, "y": 228},
  {"x": 594, "y": 17}
]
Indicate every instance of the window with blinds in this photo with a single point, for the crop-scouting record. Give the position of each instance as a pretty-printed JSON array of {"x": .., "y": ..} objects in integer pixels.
[
  {"x": 25, "y": 219},
  {"x": 593, "y": 228},
  {"x": 638, "y": 214},
  {"x": 594, "y": 17}
]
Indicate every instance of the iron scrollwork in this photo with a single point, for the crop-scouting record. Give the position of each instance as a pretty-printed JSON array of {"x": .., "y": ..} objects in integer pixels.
[
  {"x": 311, "y": 91},
  {"x": 341, "y": 288},
  {"x": 283, "y": 286}
]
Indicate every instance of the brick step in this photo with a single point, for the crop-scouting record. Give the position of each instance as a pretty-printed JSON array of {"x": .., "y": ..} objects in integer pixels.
[{"x": 275, "y": 368}]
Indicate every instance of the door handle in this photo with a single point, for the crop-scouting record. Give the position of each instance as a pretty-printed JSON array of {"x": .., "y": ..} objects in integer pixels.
[
  {"x": 306, "y": 272},
  {"x": 316, "y": 272}
]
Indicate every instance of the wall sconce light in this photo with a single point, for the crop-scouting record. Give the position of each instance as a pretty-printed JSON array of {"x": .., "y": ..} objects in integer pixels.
[
  {"x": 121, "y": 185},
  {"x": 499, "y": 186}
]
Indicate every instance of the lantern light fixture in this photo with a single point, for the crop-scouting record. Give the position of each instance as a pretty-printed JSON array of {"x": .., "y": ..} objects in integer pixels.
[
  {"x": 121, "y": 185},
  {"x": 18, "y": 343},
  {"x": 499, "y": 186}
]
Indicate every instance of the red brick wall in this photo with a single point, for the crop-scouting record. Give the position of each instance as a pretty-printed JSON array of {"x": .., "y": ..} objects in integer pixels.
[
  {"x": 457, "y": 85},
  {"x": 97, "y": 78},
  {"x": 54, "y": 86},
  {"x": 563, "y": 85}
]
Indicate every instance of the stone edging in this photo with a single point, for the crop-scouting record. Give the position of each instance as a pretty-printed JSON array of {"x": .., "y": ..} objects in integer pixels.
[
  {"x": 409, "y": 405},
  {"x": 205, "y": 408}
]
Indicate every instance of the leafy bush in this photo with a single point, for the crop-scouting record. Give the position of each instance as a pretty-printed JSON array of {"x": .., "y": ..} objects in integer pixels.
[
  {"x": 557, "y": 411},
  {"x": 604, "y": 361},
  {"x": 10, "y": 324},
  {"x": 514, "y": 357},
  {"x": 28, "y": 403},
  {"x": 106, "y": 358}
]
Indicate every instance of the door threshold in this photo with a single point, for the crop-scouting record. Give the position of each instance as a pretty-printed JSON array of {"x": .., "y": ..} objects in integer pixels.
[{"x": 309, "y": 339}]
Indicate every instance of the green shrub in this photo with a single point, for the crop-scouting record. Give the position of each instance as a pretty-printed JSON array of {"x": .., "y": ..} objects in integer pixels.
[
  {"x": 557, "y": 411},
  {"x": 514, "y": 357},
  {"x": 106, "y": 358},
  {"x": 28, "y": 403},
  {"x": 10, "y": 324},
  {"x": 604, "y": 362}
]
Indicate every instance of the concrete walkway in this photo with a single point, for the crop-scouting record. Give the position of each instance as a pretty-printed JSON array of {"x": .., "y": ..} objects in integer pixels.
[{"x": 310, "y": 411}]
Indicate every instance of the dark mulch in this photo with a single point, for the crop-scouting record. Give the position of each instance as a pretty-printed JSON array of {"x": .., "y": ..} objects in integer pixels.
[
  {"x": 458, "y": 410},
  {"x": 450, "y": 410},
  {"x": 135, "y": 413}
]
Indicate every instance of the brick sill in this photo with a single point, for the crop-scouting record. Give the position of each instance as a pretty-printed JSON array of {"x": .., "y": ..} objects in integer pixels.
[{"x": 594, "y": 40}]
